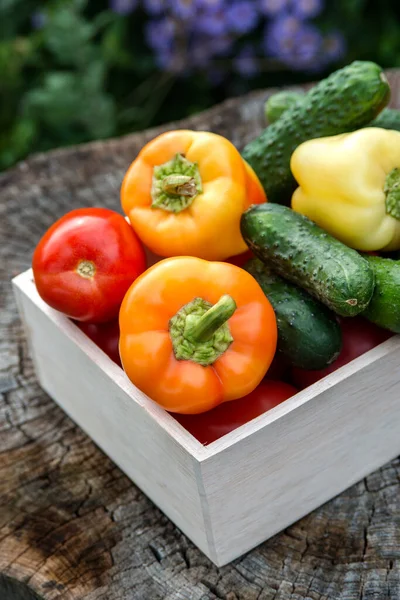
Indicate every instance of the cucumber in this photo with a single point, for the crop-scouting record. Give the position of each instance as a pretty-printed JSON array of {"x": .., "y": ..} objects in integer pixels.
[
  {"x": 306, "y": 255},
  {"x": 384, "y": 308},
  {"x": 278, "y": 103},
  {"x": 389, "y": 118},
  {"x": 346, "y": 100},
  {"x": 309, "y": 335}
]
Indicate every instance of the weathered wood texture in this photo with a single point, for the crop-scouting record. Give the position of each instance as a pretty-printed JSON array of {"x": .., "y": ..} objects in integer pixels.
[{"x": 71, "y": 525}]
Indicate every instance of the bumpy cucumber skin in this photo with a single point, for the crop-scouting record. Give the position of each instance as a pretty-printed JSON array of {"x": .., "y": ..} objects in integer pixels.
[
  {"x": 306, "y": 255},
  {"x": 309, "y": 335},
  {"x": 384, "y": 308},
  {"x": 389, "y": 118},
  {"x": 278, "y": 103},
  {"x": 347, "y": 100}
]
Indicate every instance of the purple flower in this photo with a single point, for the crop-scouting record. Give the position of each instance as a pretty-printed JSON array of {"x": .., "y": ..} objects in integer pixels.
[
  {"x": 209, "y": 5},
  {"x": 309, "y": 49},
  {"x": 200, "y": 52},
  {"x": 212, "y": 23},
  {"x": 38, "y": 19},
  {"x": 154, "y": 7},
  {"x": 295, "y": 43},
  {"x": 307, "y": 9},
  {"x": 123, "y": 7},
  {"x": 160, "y": 34},
  {"x": 242, "y": 16},
  {"x": 279, "y": 36},
  {"x": 334, "y": 46},
  {"x": 203, "y": 49},
  {"x": 220, "y": 45},
  {"x": 183, "y": 9},
  {"x": 246, "y": 62},
  {"x": 169, "y": 60},
  {"x": 272, "y": 8}
]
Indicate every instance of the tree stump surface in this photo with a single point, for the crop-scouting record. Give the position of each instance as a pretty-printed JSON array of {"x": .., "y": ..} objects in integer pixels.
[{"x": 72, "y": 525}]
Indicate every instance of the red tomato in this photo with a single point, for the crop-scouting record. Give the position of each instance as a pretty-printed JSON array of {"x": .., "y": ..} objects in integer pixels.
[
  {"x": 210, "y": 426},
  {"x": 105, "y": 335},
  {"x": 241, "y": 259},
  {"x": 358, "y": 335},
  {"x": 85, "y": 263}
]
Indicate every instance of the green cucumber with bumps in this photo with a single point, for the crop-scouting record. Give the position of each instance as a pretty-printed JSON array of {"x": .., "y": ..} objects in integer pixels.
[
  {"x": 309, "y": 335},
  {"x": 280, "y": 102},
  {"x": 389, "y": 118},
  {"x": 347, "y": 100},
  {"x": 384, "y": 308},
  {"x": 302, "y": 252}
]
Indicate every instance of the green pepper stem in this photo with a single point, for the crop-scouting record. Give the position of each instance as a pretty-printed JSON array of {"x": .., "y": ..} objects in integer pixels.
[
  {"x": 175, "y": 184},
  {"x": 392, "y": 191},
  {"x": 179, "y": 185},
  {"x": 202, "y": 329}
]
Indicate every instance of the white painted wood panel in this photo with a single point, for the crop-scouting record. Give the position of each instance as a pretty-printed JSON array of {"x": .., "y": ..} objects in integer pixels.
[
  {"x": 304, "y": 452},
  {"x": 131, "y": 429}
]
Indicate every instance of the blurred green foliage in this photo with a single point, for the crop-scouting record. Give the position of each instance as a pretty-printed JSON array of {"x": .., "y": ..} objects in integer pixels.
[{"x": 86, "y": 72}]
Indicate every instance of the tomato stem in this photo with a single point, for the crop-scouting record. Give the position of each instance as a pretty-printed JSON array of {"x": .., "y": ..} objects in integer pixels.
[{"x": 86, "y": 269}]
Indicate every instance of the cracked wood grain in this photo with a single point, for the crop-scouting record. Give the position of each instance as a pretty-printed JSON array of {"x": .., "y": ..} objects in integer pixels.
[{"x": 72, "y": 526}]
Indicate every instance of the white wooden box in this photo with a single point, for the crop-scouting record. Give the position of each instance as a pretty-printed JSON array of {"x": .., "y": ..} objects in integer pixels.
[{"x": 252, "y": 483}]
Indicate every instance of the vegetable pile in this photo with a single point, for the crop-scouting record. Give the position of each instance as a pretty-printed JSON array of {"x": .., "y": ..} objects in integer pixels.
[{"x": 273, "y": 267}]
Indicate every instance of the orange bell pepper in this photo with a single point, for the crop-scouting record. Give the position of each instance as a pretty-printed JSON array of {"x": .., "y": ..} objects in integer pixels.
[
  {"x": 255, "y": 191},
  {"x": 194, "y": 334},
  {"x": 185, "y": 193}
]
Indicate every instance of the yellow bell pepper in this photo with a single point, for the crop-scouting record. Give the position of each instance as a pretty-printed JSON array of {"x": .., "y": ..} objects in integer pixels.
[
  {"x": 185, "y": 192},
  {"x": 349, "y": 185}
]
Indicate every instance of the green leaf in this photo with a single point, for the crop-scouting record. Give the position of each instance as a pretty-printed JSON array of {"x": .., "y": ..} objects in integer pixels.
[
  {"x": 350, "y": 8},
  {"x": 113, "y": 44},
  {"x": 103, "y": 19},
  {"x": 98, "y": 116},
  {"x": 9, "y": 5},
  {"x": 93, "y": 78},
  {"x": 73, "y": 101},
  {"x": 68, "y": 36},
  {"x": 10, "y": 66},
  {"x": 23, "y": 135},
  {"x": 16, "y": 143},
  {"x": 13, "y": 14},
  {"x": 80, "y": 5},
  {"x": 131, "y": 115},
  {"x": 57, "y": 101}
]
